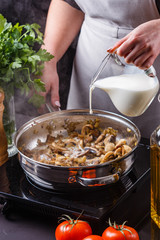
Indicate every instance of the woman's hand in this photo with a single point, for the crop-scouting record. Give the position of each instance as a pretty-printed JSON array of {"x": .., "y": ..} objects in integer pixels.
[
  {"x": 51, "y": 80},
  {"x": 141, "y": 46}
]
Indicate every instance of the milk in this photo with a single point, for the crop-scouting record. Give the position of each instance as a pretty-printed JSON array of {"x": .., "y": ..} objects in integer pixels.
[{"x": 130, "y": 93}]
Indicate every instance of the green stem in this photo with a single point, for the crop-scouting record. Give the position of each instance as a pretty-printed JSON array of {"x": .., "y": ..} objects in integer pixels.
[{"x": 23, "y": 35}]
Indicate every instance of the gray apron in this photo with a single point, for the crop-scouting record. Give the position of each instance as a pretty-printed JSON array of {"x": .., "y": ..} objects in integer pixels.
[{"x": 107, "y": 21}]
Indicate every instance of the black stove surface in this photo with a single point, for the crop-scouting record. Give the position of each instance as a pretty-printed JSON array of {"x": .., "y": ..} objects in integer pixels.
[{"x": 119, "y": 200}]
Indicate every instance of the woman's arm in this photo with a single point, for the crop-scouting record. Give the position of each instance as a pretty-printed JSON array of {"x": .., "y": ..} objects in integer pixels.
[
  {"x": 62, "y": 25},
  {"x": 141, "y": 46}
]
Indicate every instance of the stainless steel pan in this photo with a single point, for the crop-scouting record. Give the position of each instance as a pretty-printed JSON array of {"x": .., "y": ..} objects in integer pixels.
[{"x": 70, "y": 178}]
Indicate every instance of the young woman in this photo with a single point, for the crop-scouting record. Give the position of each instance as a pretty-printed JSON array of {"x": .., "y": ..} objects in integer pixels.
[{"x": 133, "y": 26}]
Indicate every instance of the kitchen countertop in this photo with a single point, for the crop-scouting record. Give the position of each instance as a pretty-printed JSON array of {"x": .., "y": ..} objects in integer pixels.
[{"x": 26, "y": 226}]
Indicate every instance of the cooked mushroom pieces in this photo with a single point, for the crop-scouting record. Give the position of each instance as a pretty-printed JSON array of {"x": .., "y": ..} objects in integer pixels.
[
  {"x": 93, "y": 151},
  {"x": 110, "y": 139},
  {"x": 57, "y": 148},
  {"x": 118, "y": 152},
  {"x": 82, "y": 153},
  {"x": 109, "y": 147},
  {"x": 90, "y": 145},
  {"x": 101, "y": 136},
  {"x": 122, "y": 148},
  {"x": 121, "y": 142},
  {"x": 86, "y": 129},
  {"x": 126, "y": 149},
  {"x": 110, "y": 143},
  {"x": 107, "y": 157}
]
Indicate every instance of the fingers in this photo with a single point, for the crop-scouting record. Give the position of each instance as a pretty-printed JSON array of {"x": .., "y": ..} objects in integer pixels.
[
  {"x": 51, "y": 80},
  {"x": 52, "y": 102},
  {"x": 135, "y": 52},
  {"x": 139, "y": 55},
  {"x": 117, "y": 45},
  {"x": 54, "y": 92},
  {"x": 130, "y": 46},
  {"x": 143, "y": 62}
]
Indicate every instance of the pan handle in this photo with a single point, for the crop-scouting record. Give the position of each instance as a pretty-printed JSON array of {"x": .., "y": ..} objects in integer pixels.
[{"x": 99, "y": 181}]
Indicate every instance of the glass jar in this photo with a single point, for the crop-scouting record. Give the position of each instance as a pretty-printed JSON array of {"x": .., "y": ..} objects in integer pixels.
[
  {"x": 130, "y": 88},
  {"x": 9, "y": 121},
  {"x": 155, "y": 175}
]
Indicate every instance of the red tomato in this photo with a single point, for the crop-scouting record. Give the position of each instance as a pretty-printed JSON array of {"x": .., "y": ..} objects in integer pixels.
[
  {"x": 93, "y": 237},
  {"x": 72, "y": 230},
  {"x": 120, "y": 232}
]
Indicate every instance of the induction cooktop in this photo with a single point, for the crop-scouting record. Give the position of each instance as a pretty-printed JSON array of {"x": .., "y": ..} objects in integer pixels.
[{"x": 128, "y": 199}]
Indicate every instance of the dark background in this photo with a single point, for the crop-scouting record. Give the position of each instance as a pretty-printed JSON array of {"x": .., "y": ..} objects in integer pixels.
[{"x": 35, "y": 11}]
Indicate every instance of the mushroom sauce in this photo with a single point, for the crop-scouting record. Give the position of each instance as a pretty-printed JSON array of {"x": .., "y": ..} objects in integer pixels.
[{"x": 90, "y": 146}]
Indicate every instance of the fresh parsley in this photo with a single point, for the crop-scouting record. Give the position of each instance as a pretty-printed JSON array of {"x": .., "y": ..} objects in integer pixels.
[{"x": 22, "y": 59}]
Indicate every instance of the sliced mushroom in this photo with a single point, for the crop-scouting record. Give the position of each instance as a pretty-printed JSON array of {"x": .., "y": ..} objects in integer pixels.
[
  {"x": 88, "y": 138},
  {"x": 118, "y": 152},
  {"x": 93, "y": 150},
  {"x": 85, "y": 128},
  {"x": 81, "y": 143},
  {"x": 126, "y": 149},
  {"x": 110, "y": 139},
  {"x": 120, "y": 143},
  {"x": 109, "y": 147},
  {"x": 83, "y": 153},
  {"x": 107, "y": 156},
  {"x": 70, "y": 142},
  {"x": 57, "y": 148},
  {"x": 81, "y": 160},
  {"x": 101, "y": 137}
]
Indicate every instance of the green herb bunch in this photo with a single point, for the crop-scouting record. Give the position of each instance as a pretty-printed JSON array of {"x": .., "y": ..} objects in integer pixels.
[{"x": 22, "y": 59}]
